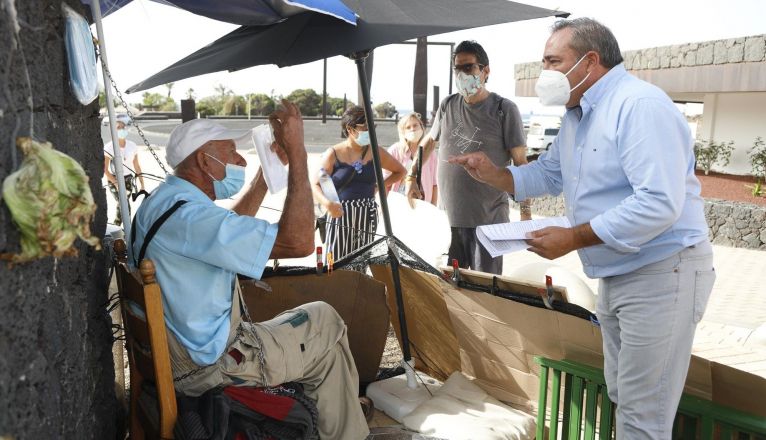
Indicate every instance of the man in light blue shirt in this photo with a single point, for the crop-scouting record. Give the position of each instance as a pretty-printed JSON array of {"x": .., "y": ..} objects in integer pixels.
[
  {"x": 624, "y": 162},
  {"x": 200, "y": 247}
]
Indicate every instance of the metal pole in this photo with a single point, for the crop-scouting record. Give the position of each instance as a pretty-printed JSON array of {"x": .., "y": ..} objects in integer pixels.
[
  {"x": 451, "y": 62},
  {"x": 359, "y": 58},
  {"x": 117, "y": 160},
  {"x": 420, "y": 80},
  {"x": 324, "y": 93}
]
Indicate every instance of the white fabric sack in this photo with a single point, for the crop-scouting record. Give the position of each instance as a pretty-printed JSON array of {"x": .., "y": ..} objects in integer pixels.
[{"x": 462, "y": 410}]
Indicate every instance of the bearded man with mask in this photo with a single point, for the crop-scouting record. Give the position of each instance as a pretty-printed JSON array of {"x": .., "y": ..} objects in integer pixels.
[
  {"x": 625, "y": 163},
  {"x": 198, "y": 248},
  {"x": 474, "y": 119}
]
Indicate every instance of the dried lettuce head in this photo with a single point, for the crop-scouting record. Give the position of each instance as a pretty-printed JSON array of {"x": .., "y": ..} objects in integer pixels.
[{"x": 50, "y": 202}]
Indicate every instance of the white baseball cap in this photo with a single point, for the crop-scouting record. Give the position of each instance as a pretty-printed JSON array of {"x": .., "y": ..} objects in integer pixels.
[{"x": 189, "y": 136}]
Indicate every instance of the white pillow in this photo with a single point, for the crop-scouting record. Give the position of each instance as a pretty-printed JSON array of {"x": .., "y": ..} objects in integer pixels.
[{"x": 462, "y": 410}]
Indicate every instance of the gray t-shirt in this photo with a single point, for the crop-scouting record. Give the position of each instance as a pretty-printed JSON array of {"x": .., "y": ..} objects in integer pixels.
[{"x": 493, "y": 126}]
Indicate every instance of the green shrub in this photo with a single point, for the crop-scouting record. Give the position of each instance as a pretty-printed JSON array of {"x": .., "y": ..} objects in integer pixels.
[
  {"x": 709, "y": 153},
  {"x": 758, "y": 164}
]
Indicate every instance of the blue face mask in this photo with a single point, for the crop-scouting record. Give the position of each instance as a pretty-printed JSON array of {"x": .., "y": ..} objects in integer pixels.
[
  {"x": 122, "y": 133},
  {"x": 232, "y": 182},
  {"x": 363, "y": 138}
]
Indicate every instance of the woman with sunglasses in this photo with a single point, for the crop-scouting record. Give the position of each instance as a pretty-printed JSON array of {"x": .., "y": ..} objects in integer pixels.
[
  {"x": 411, "y": 132},
  {"x": 352, "y": 222}
]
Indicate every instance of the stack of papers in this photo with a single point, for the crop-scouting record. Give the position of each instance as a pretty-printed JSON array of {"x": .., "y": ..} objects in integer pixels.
[{"x": 504, "y": 238}]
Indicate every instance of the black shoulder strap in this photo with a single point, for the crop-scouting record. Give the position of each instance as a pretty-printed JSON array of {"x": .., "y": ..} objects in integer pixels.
[
  {"x": 502, "y": 119},
  {"x": 152, "y": 230}
]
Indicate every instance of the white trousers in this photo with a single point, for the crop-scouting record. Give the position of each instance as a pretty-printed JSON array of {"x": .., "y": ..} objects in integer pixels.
[{"x": 648, "y": 318}]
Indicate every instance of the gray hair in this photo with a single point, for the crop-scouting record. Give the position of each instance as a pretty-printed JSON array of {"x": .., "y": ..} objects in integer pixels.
[{"x": 590, "y": 35}]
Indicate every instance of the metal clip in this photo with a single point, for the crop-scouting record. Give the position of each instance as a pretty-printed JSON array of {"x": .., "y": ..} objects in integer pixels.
[{"x": 547, "y": 293}]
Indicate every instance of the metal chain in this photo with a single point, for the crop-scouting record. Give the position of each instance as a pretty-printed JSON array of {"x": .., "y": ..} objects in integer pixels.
[
  {"x": 127, "y": 109},
  {"x": 250, "y": 324}
]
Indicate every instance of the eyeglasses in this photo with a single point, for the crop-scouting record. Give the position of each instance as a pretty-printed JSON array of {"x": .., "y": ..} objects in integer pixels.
[
  {"x": 363, "y": 127},
  {"x": 467, "y": 67}
]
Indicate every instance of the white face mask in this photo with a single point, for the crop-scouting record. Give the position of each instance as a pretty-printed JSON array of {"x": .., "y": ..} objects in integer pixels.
[
  {"x": 468, "y": 85},
  {"x": 552, "y": 86},
  {"x": 413, "y": 135}
]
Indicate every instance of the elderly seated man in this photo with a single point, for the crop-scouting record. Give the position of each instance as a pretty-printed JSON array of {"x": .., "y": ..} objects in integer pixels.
[{"x": 199, "y": 249}]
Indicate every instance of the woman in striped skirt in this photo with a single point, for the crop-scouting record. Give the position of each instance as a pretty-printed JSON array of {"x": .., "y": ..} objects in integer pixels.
[{"x": 352, "y": 222}]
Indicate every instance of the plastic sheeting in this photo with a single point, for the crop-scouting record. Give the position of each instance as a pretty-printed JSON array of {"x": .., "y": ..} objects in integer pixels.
[{"x": 81, "y": 56}]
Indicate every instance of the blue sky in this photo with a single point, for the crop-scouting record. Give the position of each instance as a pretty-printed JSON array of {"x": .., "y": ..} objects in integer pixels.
[{"x": 144, "y": 37}]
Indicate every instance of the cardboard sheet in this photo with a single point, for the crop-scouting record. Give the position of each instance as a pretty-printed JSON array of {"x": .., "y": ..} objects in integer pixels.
[
  {"x": 433, "y": 343},
  {"x": 358, "y": 299},
  {"x": 495, "y": 341}
]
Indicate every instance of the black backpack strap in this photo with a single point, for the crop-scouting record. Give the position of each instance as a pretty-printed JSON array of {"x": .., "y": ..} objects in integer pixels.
[
  {"x": 502, "y": 119},
  {"x": 152, "y": 230}
]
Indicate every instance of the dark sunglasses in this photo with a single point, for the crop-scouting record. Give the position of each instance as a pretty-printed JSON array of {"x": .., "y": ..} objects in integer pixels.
[
  {"x": 363, "y": 127},
  {"x": 467, "y": 67}
]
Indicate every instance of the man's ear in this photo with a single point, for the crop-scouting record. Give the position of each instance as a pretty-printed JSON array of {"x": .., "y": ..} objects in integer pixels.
[
  {"x": 201, "y": 159},
  {"x": 486, "y": 73},
  {"x": 594, "y": 59}
]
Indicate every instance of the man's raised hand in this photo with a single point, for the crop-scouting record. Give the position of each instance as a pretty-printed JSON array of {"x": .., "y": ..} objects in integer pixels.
[{"x": 287, "y": 124}]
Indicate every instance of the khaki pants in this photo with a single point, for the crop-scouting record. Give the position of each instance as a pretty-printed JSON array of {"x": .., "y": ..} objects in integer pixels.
[{"x": 307, "y": 344}]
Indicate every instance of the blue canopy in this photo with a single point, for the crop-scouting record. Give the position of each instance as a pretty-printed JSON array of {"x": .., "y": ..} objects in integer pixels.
[{"x": 246, "y": 12}]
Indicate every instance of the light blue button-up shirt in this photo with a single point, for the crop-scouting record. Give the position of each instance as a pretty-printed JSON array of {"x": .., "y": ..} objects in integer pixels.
[
  {"x": 197, "y": 252},
  {"x": 625, "y": 163}
]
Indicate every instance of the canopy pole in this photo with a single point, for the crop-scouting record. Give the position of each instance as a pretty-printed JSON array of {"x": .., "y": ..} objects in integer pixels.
[
  {"x": 117, "y": 159},
  {"x": 359, "y": 58}
]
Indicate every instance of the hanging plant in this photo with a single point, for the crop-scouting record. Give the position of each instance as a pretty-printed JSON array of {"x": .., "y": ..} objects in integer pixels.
[{"x": 50, "y": 202}]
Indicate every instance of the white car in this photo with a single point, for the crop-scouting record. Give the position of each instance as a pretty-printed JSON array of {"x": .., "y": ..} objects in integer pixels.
[{"x": 540, "y": 138}]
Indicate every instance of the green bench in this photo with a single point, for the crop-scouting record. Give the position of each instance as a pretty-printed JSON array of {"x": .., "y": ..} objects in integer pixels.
[{"x": 585, "y": 412}]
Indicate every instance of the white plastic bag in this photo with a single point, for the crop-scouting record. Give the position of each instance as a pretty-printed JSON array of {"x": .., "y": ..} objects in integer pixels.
[{"x": 81, "y": 56}]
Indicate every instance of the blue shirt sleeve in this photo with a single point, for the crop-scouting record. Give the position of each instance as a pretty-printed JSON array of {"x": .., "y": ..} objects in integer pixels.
[
  {"x": 653, "y": 145},
  {"x": 539, "y": 177}
]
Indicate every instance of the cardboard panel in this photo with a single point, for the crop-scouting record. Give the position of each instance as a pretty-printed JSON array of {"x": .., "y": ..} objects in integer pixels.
[
  {"x": 433, "y": 344},
  {"x": 699, "y": 381},
  {"x": 495, "y": 341},
  {"x": 358, "y": 299},
  {"x": 739, "y": 389}
]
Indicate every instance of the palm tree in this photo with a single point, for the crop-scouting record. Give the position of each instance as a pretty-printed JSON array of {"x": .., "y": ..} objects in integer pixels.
[
  {"x": 223, "y": 90},
  {"x": 190, "y": 93},
  {"x": 170, "y": 87}
]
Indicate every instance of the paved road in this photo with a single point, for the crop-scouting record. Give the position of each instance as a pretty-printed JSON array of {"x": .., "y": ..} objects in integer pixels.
[{"x": 318, "y": 136}]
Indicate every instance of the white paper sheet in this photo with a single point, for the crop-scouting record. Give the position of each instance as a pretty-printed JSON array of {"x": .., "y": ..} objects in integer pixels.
[
  {"x": 504, "y": 238},
  {"x": 274, "y": 172}
]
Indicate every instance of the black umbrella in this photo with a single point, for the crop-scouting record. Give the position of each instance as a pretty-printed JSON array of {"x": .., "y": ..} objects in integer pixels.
[{"x": 307, "y": 37}]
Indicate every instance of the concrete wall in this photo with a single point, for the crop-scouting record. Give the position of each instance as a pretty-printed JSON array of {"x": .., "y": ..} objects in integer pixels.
[
  {"x": 56, "y": 372},
  {"x": 737, "y": 117},
  {"x": 728, "y": 75}
]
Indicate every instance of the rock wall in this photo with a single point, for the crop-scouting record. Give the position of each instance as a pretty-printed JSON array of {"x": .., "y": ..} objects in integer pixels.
[
  {"x": 56, "y": 369},
  {"x": 733, "y": 50},
  {"x": 731, "y": 224}
]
